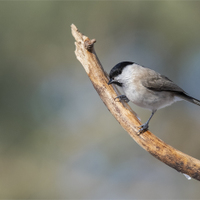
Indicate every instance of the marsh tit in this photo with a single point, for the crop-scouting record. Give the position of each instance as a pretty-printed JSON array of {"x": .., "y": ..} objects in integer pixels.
[{"x": 146, "y": 88}]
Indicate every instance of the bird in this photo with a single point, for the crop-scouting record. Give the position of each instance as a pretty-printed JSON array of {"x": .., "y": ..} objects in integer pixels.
[{"x": 146, "y": 88}]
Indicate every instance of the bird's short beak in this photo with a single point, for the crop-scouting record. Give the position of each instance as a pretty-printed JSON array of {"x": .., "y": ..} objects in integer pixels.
[{"x": 110, "y": 81}]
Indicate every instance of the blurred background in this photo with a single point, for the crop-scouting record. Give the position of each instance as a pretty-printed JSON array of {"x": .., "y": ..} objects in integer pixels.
[{"x": 57, "y": 139}]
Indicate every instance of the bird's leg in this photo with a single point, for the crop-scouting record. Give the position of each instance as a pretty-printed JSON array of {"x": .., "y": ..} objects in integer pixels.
[
  {"x": 145, "y": 126},
  {"x": 122, "y": 98}
]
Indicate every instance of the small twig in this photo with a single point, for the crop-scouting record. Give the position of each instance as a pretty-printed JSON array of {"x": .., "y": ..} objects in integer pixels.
[{"x": 85, "y": 53}]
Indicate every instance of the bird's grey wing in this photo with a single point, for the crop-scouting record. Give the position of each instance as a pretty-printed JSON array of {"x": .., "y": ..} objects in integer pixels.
[
  {"x": 157, "y": 82},
  {"x": 161, "y": 83}
]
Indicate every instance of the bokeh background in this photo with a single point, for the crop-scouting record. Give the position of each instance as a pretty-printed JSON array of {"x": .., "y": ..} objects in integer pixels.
[{"x": 57, "y": 139}]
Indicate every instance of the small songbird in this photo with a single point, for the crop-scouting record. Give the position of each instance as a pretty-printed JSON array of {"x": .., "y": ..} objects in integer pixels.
[{"x": 146, "y": 88}]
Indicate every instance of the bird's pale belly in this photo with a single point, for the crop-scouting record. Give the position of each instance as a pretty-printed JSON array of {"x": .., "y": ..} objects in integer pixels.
[{"x": 152, "y": 100}]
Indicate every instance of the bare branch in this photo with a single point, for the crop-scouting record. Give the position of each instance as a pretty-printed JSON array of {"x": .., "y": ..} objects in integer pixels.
[{"x": 85, "y": 53}]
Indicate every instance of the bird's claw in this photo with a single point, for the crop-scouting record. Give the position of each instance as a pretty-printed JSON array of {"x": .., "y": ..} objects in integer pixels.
[
  {"x": 122, "y": 98},
  {"x": 144, "y": 128}
]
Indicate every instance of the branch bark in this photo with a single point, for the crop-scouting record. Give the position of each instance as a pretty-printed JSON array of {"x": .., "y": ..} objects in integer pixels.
[{"x": 85, "y": 53}]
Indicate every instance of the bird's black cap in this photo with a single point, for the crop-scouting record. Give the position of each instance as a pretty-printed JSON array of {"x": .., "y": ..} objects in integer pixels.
[{"x": 117, "y": 69}]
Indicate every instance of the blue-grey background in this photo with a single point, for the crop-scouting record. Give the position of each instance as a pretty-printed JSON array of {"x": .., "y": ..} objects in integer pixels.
[{"x": 57, "y": 139}]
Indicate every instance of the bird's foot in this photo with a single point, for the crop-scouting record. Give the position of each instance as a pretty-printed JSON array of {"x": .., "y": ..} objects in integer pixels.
[
  {"x": 144, "y": 127},
  {"x": 122, "y": 98}
]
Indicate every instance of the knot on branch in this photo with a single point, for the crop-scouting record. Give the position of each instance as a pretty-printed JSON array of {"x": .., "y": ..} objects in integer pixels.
[{"x": 89, "y": 44}]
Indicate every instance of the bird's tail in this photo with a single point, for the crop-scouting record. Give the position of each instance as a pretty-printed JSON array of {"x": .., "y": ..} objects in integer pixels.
[{"x": 189, "y": 98}]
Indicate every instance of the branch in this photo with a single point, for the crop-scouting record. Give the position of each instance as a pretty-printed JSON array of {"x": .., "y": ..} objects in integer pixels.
[{"x": 85, "y": 53}]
